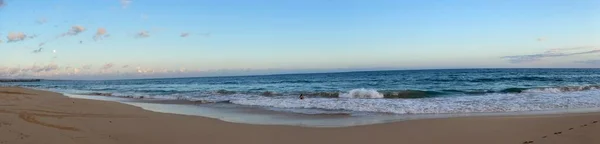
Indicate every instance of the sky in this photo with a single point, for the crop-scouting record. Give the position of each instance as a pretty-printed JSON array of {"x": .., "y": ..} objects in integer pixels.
[{"x": 120, "y": 39}]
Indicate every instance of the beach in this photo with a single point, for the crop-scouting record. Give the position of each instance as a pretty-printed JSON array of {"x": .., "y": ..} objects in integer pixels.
[{"x": 34, "y": 116}]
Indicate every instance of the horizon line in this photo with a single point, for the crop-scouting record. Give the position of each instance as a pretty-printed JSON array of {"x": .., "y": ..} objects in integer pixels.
[{"x": 279, "y": 74}]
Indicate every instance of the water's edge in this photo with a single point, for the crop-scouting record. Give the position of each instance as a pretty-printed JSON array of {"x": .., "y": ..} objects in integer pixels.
[{"x": 259, "y": 116}]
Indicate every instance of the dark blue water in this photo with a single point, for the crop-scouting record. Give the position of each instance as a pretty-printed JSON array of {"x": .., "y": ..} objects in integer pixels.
[{"x": 401, "y": 92}]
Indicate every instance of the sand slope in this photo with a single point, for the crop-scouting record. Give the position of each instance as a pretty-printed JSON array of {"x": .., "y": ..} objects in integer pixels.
[{"x": 36, "y": 117}]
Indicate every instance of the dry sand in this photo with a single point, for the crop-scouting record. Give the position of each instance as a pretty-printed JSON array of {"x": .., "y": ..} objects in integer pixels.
[{"x": 39, "y": 117}]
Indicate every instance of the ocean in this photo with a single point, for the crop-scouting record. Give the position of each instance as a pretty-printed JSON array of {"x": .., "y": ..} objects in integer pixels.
[{"x": 398, "y": 93}]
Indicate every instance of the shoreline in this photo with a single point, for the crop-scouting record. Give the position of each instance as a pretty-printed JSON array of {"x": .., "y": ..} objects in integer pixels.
[
  {"x": 34, "y": 116},
  {"x": 303, "y": 119}
]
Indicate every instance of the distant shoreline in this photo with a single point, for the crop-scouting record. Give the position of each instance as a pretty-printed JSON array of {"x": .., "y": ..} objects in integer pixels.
[{"x": 20, "y": 80}]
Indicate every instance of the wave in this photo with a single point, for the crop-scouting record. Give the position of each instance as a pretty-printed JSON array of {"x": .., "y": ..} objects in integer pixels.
[
  {"x": 371, "y": 100},
  {"x": 361, "y": 93},
  {"x": 493, "y": 102},
  {"x": 225, "y": 92},
  {"x": 564, "y": 89}
]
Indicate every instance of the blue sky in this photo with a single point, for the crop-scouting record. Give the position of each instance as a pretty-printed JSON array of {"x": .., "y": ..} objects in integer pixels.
[{"x": 228, "y": 37}]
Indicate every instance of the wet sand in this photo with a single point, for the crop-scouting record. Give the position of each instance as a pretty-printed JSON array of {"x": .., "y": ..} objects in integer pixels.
[{"x": 31, "y": 116}]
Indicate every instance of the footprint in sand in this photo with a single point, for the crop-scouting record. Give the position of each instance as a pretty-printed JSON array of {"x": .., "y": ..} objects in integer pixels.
[
  {"x": 570, "y": 128},
  {"x": 595, "y": 122}
]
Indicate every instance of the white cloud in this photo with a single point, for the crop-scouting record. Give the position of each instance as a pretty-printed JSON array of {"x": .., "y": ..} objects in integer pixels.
[{"x": 125, "y": 3}]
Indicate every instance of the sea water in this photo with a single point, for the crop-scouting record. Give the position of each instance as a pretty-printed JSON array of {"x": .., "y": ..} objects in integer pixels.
[{"x": 393, "y": 94}]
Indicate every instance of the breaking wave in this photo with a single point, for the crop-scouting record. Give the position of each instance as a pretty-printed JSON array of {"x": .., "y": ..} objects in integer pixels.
[
  {"x": 361, "y": 93},
  {"x": 402, "y": 101}
]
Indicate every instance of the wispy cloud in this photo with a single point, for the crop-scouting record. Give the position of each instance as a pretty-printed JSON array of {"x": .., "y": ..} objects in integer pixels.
[
  {"x": 41, "y": 21},
  {"x": 107, "y": 66},
  {"x": 541, "y": 39},
  {"x": 37, "y": 69},
  {"x": 86, "y": 67},
  {"x": 206, "y": 34},
  {"x": 126, "y": 3},
  {"x": 101, "y": 32},
  {"x": 16, "y": 36},
  {"x": 37, "y": 50},
  {"x": 570, "y": 49},
  {"x": 144, "y": 17},
  {"x": 75, "y": 30},
  {"x": 590, "y": 62},
  {"x": 560, "y": 52},
  {"x": 142, "y": 34},
  {"x": 46, "y": 68},
  {"x": 184, "y": 34}
]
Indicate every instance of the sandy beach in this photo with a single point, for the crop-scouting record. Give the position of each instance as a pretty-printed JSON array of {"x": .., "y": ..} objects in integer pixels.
[{"x": 33, "y": 117}]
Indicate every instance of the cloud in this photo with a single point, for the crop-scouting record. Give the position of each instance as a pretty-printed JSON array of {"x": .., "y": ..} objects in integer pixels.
[
  {"x": 125, "y": 3},
  {"x": 86, "y": 67},
  {"x": 41, "y": 21},
  {"x": 184, "y": 34},
  {"x": 32, "y": 36},
  {"x": 100, "y": 33},
  {"x": 37, "y": 51},
  {"x": 46, "y": 68},
  {"x": 590, "y": 62},
  {"x": 2, "y": 3},
  {"x": 75, "y": 30},
  {"x": 16, "y": 36},
  {"x": 107, "y": 66},
  {"x": 143, "y": 34},
  {"x": 541, "y": 39},
  {"x": 561, "y": 52},
  {"x": 206, "y": 34},
  {"x": 570, "y": 49}
]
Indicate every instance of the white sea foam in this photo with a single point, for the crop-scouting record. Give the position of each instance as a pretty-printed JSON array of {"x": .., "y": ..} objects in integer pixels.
[
  {"x": 364, "y": 100},
  {"x": 361, "y": 93},
  {"x": 562, "y": 89},
  {"x": 462, "y": 104}
]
